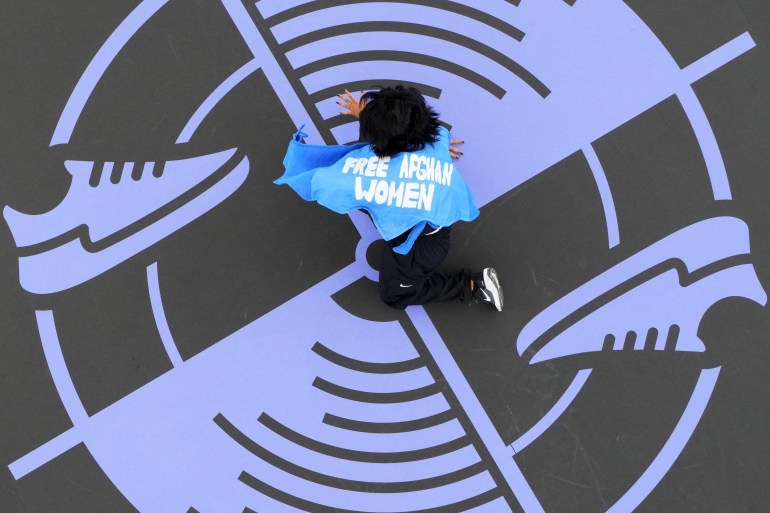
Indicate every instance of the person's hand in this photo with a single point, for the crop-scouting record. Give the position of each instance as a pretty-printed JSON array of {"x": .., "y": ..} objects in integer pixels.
[
  {"x": 453, "y": 151},
  {"x": 351, "y": 104}
]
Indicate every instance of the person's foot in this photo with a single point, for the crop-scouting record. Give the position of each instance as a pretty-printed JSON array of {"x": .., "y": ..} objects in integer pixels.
[{"x": 487, "y": 288}]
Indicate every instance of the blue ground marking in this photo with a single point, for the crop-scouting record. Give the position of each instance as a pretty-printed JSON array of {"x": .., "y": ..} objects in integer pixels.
[
  {"x": 98, "y": 65},
  {"x": 156, "y": 301},
  {"x": 182, "y": 403},
  {"x": 666, "y": 297},
  {"x": 68, "y": 395},
  {"x": 473, "y": 408},
  {"x": 58, "y": 367},
  {"x": 214, "y": 98},
  {"x": 554, "y": 413},
  {"x": 611, "y": 217}
]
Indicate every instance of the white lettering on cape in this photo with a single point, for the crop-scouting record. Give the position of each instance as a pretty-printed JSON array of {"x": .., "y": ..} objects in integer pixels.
[
  {"x": 416, "y": 187},
  {"x": 404, "y": 195}
]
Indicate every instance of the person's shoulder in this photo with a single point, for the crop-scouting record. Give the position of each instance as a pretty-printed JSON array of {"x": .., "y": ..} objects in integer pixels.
[{"x": 443, "y": 138}]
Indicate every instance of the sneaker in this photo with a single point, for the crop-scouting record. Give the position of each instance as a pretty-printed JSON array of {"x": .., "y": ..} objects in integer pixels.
[
  {"x": 654, "y": 300},
  {"x": 488, "y": 288},
  {"x": 114, "y": 210}
]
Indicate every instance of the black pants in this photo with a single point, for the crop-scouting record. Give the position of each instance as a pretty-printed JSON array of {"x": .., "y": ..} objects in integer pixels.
[{"x": 411, "y": 279}]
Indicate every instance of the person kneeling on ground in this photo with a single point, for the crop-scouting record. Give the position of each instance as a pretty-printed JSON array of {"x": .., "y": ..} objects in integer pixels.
[{"x": 402, "y": 175}]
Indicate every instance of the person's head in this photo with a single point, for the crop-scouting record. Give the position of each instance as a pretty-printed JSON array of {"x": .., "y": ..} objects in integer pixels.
[{"x": 396, "y": 119}]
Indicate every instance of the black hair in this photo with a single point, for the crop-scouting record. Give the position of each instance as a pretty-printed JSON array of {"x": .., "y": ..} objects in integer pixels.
[{"x": 396, "y": 119}]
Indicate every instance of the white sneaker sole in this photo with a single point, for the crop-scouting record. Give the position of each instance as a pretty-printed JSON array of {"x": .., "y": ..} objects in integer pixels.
[{"x": 490, "y": 278}]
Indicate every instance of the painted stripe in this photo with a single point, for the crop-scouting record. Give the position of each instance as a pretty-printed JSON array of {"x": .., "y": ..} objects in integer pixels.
[
  {"x": 429, "y": 61},
  {"x": 404, "y": 396},
  {"x": 475, "y": 411},
  {"x": 69, "y": 397},
  {"x": 335, "y": 481},
  {"x": 272, "y": 69},
  {"x": 673, "y": 447},
  {"x": 214, "y": 98},
  {"x": 353, "y": 364},
  {"x": 275, "y": 75},
  {"x": 159, "y": 314},
  {"x": 554, "y": 413},
  {"x": 439, "y": 419},
  {"x": 272, "y": 7},
  {"x": 707, "y": 142},
  {"x": 489, "y": 19},
  {"x": 45, "y": 453},
  {"x": 58, "y": 367},
  {"x": 718, "y": 58},
  {"x": 610, "y": 215},
  {"x": 306, "y": 505},
  {"x": 428, "y": 91},
  {"x": 98, "y": 65},
  {"x": 697, "y": 116},
  {"x": 496, "y": 506},
  {"x": 390, "y": 457}
]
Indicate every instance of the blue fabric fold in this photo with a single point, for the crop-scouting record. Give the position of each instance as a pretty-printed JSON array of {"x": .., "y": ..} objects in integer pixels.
[
  {"x": 303, "y": 160},
  {"x": 415, "y": 232}
]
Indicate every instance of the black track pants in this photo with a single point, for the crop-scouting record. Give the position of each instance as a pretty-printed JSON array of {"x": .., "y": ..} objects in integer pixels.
[{"x": 411, "y": 279}]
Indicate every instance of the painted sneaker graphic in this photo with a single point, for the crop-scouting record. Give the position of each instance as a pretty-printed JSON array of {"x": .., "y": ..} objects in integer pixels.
[
  {"x": 654, "y": 299},
  {"x": 113, "y": 211}
]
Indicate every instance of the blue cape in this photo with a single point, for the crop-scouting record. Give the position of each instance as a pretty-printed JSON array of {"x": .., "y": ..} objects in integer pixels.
[{"x": 401, "y": 193}]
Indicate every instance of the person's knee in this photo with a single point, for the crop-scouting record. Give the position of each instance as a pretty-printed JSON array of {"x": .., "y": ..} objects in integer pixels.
[
  {"x": 396, "y": 305},
  {"x": 390, "y": 299},
  {"x": 395, "y": 293}
]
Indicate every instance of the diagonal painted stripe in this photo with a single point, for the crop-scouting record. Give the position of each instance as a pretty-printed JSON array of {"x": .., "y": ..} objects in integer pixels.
[
  {"x": 69, "y": 397},
  {"x": 718, "y": 58},
  {"x": 554, "y": 413},
  {"x": 45, "y": 453},
  {"x": 610, "y": 216},
  {"x": 715, "y": 164},
  {"x": 214, "y": 98},
  {"x": 295, "y": 105},
  {"x": 697, "y": 116},
  {"x": 281, "y": 84},
  {"x": 500, "y": 453},
  {"x": 58, "y": 367},
  {"x": 98, "y": 65},
  {"x": 159, "y": 314}
]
